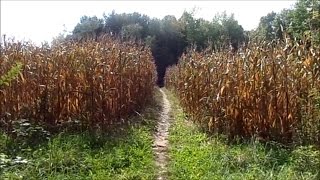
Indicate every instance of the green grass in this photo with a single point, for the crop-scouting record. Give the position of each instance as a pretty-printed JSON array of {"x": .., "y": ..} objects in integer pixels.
[
  {"x": 128, "y": 155},
  {"x": 195, "y": 155},
  {"x": 123, "y": 155},
  {"x": 83, "y": 156}
]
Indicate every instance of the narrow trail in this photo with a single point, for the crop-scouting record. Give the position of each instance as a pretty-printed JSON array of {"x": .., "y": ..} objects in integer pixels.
[{"x": 160, "y": 146}]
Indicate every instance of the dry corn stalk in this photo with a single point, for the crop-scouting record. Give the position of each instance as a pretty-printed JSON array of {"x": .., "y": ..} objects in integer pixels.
[
  {"x": 264, "y": 90},
  {"x": 97, "y": 83}
]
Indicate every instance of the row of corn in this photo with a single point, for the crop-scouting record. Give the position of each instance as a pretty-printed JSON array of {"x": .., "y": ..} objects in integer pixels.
[
  {"x": 94, "y": 83},
  {"x": 266, "y": 90}
]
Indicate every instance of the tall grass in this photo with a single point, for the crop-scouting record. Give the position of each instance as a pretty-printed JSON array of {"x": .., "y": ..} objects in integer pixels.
[
  {"x": 269, "y": 90},
  {"x": 97, "y": 84}
]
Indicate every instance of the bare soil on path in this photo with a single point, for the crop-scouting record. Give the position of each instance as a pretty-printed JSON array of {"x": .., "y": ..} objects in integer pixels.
[{"x": 160, "y": 146}]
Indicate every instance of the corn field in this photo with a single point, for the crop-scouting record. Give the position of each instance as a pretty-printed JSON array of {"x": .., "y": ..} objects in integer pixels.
[
  {"x": 266, "y": 90},
  {"x": 95, "y": 83}
]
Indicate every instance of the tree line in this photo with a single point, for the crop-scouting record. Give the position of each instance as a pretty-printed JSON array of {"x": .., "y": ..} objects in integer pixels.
[
  {"x": 169, "y": 37},
  {"x": 300, "y": 22}
]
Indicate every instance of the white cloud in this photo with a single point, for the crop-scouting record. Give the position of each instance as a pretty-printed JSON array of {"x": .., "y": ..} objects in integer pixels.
[{"x": 42, "y": 20}]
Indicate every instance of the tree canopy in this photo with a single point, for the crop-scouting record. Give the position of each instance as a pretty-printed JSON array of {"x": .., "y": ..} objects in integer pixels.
[
  {"x": 169, "y": 37},
  {"x": 302, "y": 21}
]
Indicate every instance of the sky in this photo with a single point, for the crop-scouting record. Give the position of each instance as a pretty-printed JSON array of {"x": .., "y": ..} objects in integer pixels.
[{"x": 40, "y": 21}]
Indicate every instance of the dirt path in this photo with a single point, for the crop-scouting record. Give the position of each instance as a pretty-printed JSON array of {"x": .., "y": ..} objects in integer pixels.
[{"x": 161, "y": 137}]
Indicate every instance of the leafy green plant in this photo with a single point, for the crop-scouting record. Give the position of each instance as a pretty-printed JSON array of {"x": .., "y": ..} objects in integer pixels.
[
  {"x": 11, "y": 75},
  {"x": 28, "y": 134}
]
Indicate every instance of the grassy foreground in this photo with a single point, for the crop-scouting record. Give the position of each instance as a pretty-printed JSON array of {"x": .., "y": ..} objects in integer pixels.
[
  {"x": 124, "y": 155},
  {"x": 195, "y": 155}
]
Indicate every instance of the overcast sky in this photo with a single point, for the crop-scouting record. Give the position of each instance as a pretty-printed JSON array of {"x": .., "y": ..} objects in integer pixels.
[{"x": 43, "y": 20}]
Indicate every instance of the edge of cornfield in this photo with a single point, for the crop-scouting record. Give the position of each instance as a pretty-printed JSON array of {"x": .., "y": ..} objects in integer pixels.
[
  {"x": 196, "y": 155},
  {"x": 125, "y": 154}
]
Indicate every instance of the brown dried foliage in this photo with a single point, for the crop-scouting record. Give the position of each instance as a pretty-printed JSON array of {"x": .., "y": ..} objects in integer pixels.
[
  {"x": 265, "y": 90},
  {"x": 96, "y": 83}
]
